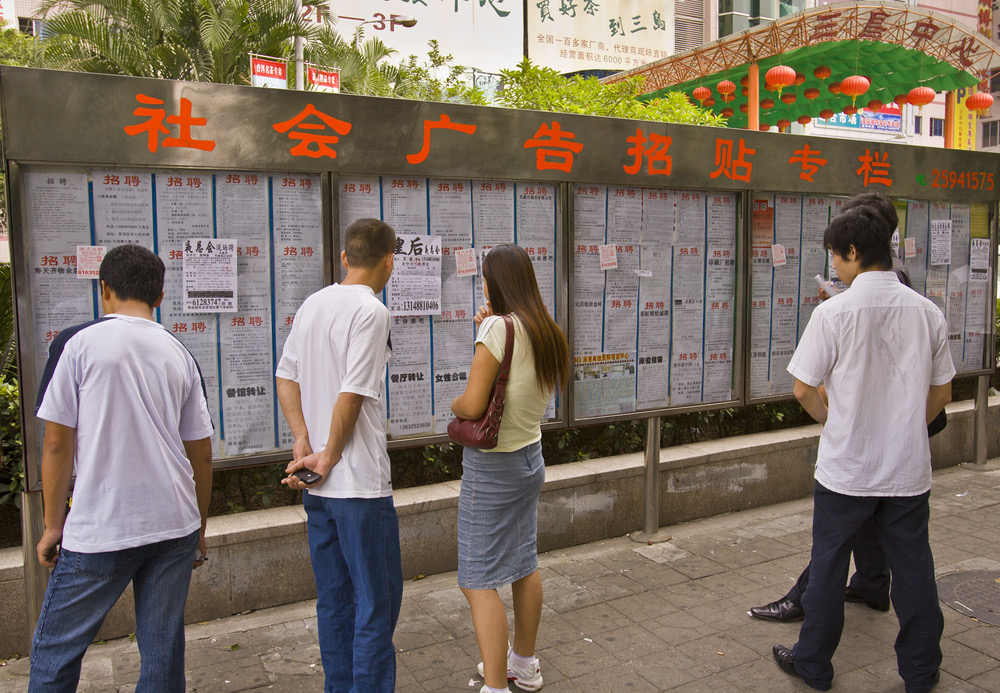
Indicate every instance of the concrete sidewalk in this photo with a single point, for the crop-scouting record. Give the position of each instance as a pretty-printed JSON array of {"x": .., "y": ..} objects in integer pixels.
[{"x": 624, "y": 617}]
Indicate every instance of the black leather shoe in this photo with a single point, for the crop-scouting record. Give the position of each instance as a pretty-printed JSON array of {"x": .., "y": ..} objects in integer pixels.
[
  {"x": 853, "y": 596},
  {"x": 786, "y": 661},
  {"x": 783, "y": 610}
]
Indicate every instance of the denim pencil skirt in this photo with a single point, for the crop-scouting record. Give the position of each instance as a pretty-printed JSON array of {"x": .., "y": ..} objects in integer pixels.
[{"x": 498, "y": 516}]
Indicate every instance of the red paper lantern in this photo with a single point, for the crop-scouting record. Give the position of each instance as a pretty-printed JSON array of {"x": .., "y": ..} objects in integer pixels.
[
  {"x": 921, "y": 96},
  {"x": 767, "y": 104},
  {"x": 783, "y": 124},
  {"x": 800, "y": 79},
  {"x": 744, "y": 108},
  {"x": 804, "y": 120},
  {"x": 834, "y": 87},
  {"x": 874, "y": 105},
  {"x": 727, "y": 112},
  {"x": 980, "y": 101},
  {"x": 780, "y": 76},
  {"x": 763, "y": 127},
  {"x": 826, "y": 114},
  {"x": 789, "y": 98},
  {"x": 726, "y": 87},
  {"x": 708, "y": 103},
  {"x": 822, "y": 72},
  {"x": 701, "y": 93},
  {"x": 900, "y": 100},
  {"x": 745, "y": 82},
  {"x": 811, "y": 93},
  {"x": 744, "y": 91},
  {"x": 854, "y": 86},
  {"x": 850, "y": 110}
]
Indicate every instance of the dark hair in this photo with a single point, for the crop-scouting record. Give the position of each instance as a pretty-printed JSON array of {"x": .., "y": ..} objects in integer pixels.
[
  {"x": 863, "y": 228},
  {"x": 367, "y": 242},
  {"x": 510, "y": 281},
  {"x": 133, "y": 272},
  {"x": 880, "y": 204}
]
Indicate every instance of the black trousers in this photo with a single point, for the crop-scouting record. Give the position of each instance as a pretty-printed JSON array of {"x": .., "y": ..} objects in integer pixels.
[
  {"x": 901, "y": 525},
  {"x": 871, "y": 577}
]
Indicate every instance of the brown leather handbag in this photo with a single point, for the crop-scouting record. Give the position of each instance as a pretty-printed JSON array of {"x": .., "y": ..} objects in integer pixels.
[{"x": 482, "y": 433}]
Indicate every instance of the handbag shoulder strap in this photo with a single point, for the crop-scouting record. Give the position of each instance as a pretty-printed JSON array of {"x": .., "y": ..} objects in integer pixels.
[{"x": 508, "y": 350}]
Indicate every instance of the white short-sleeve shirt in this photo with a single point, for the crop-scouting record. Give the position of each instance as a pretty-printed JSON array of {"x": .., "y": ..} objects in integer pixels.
[
  {"x": 878, "y": 348},
  {"x": 134, "y": 394},
  {"x": 339, "y": 343}
]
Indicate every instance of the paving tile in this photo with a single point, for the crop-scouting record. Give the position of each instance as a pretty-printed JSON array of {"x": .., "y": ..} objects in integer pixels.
[{"x": 618, "y": 616}]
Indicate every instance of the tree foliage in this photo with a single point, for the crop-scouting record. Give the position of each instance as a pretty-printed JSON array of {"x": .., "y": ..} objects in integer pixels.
[
  {"x": 543, "y": 89},
  {"x": 196, "y": 40}
]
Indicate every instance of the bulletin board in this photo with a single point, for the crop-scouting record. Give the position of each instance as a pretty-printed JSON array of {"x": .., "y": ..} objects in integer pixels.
[{"x": 679, "y": 260}]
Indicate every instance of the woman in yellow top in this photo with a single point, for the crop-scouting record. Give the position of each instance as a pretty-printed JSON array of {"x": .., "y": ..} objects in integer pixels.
[{"x": 498, "y": 503}]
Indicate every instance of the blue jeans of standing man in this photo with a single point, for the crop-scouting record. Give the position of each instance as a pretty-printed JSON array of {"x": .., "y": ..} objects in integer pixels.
[
  {"x": 354, "y": 547},
  {"x": 82, "y": 589},
  {"x": 901, "y": 524}
]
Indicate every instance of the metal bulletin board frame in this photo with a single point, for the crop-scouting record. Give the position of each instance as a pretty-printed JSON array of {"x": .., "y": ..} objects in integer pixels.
[{"x": 111, "y": 122}]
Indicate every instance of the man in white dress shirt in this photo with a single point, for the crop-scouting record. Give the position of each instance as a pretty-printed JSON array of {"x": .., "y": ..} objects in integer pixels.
[{"x": 881, "y": 350}]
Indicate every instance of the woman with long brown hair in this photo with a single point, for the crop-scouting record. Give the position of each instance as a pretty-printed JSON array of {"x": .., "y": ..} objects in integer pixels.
[{"x": 498, "y": 503}]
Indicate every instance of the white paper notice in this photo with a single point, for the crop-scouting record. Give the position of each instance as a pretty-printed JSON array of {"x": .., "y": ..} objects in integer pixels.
[
  {"x": 410, "y": 400},
  {"x": 979, "y": 259},
  {"x": 415, "y": 285},
  {"x": 210, "y": 275},
  {"x": 404, "y": 204},
  {"x": 909, "y": 247},
  {"x": 590, "y": 212},
  {"x": 450, "y": 208},
  {"x": 242, "y": 210},
  {"x": 535, "y": 218},
  {"x": 57, "y": 221},
  {"x": 465, "y": 259},
  {"x": 609, "y": 258},
  {"x": 940, "y": 241},
  {"x": 360, "y": 198},
  {"x": 778, "y": 255},
  {"x": 123, "y": 208},
  {"x": 88, "y": 261},
  {"x": 183, "y": 211}
]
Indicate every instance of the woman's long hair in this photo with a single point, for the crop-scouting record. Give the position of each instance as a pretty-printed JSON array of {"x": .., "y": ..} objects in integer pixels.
[{"x": 510, "y": 281}]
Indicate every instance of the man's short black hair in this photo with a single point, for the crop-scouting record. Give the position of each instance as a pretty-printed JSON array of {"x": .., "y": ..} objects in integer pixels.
[
  {"x": 133, "y": 272},
  {"x": 367, "y": 242},
  {"x": 864, "y": 228},
  {"x": 880, "y": 204}
]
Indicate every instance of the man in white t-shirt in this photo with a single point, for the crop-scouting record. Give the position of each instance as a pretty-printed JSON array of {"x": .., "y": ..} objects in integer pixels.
[
  {"x": 330, "y": 381},
  {"x": 125, "y": 409},
  {"x": 881, "y": 350}
]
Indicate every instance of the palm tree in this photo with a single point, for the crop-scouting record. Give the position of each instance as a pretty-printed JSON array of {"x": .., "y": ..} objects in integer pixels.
[
  {"x": 198, "y": 40},
  {"x": 364, "y": 67}
]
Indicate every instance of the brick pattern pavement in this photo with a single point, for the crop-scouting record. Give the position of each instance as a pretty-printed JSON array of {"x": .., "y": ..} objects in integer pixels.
[{"x": 623, "y": 617}]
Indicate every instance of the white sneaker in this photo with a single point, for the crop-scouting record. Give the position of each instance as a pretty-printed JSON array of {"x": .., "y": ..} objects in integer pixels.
[
  {"x": 526, "y": 678},
  {"x": 486, "y": 689}
]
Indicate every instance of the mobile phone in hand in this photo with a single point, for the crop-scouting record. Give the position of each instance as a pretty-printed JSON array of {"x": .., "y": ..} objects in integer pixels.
[{"x": 307, "y": 476}]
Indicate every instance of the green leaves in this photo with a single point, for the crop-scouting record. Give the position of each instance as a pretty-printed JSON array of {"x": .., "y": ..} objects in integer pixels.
[
  {"x": 543, "y": 89},
  {"x": 198, "y": 40},
  {"x": 12, "y": 480}
]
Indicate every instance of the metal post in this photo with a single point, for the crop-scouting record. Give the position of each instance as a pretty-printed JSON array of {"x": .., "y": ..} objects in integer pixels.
[
  {"x": 651, "y": 533},
  {"x": 299, "y": 49},
  {"x": 35, "y": 576},
  {"x": 982, "y": 409}
]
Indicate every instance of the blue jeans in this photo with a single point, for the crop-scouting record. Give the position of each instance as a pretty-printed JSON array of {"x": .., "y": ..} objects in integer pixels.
[
  {"x": 82, "y": 589},
  {"x": 354, "y": 547},
  {"x": 901, "y": 524}
]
